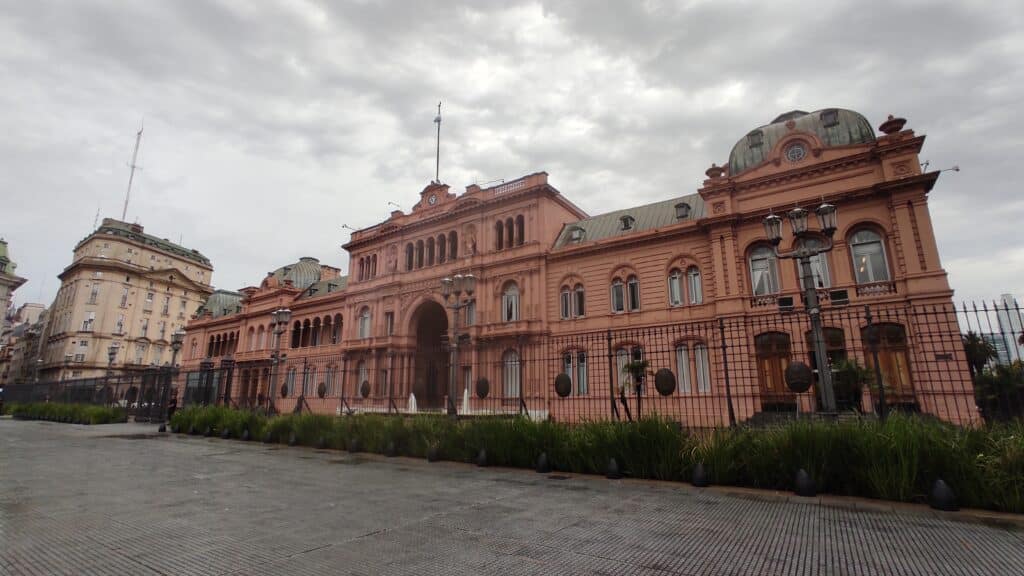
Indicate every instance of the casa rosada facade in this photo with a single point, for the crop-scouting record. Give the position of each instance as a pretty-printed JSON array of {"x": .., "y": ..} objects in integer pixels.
[{"x": 689, "y": 284}]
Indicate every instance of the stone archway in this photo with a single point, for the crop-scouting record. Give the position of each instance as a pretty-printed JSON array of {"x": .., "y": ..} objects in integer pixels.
[{"x": 430, "y": 367}]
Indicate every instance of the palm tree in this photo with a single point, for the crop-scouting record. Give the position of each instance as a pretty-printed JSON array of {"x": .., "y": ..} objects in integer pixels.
[{"x": 979, "y": 351}]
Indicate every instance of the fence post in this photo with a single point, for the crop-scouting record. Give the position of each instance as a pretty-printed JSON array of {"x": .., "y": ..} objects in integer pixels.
[
  {"x": 725, "y": 367},
  {"x": 873, "y": 341},
  {"x": 611, "y": 377}
]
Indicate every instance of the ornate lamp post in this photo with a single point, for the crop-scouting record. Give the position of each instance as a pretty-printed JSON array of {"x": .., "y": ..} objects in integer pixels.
[
  {"x": 802, "y": 253},
  {"x": 177, "y": 339},
  {"x": 452, "y": 289},
  {"x": 280, "y": 317}
]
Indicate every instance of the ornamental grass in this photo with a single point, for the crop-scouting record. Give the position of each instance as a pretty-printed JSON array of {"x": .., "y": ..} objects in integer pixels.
[{"x": 67, "y": 413}]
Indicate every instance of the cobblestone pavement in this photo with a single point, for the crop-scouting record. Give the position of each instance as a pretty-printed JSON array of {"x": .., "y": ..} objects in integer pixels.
[{"x": 120, "y": 499}]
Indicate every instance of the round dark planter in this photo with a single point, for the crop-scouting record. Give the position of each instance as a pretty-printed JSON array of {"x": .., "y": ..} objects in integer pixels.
[
  {"x": 246, "y": 436},
  {"x": 613, "y": 472},
  {"x": 292, "y": 440},
  {"x": 483, "y": 388},
  {"x": 162, "y": 428},
  {"x": 192, "y": 430},
  {"x": 225, "y": 433},
  {"x": 354, "y": 445},
  {"x": 563, "y": 385},
  {"x": 207, "y": 431},
  {"x": 804, "y": 485},
  {"x": 321, "y": 443},
  {"x": 268, "y": 437},
  {"x": 665, "y": 382},
  {"x": 700, "y": 476},
  {"x": 391, "y": 450},
  {"x": 942, "y": 497},
  {"x": 433, "y": 454},
  {"x": 543, "y": 465},
  {"x": 481, "y": 458}
]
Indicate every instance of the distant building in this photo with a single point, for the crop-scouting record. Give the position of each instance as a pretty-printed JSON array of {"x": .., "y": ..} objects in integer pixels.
[
  {"x": 19, "y": 343},
  {"x": 127, "y": 289},
  {"x": 9, "y": 282}
]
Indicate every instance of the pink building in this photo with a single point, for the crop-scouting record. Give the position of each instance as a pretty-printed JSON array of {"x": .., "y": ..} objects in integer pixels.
[{"x": 689, "y": 284}]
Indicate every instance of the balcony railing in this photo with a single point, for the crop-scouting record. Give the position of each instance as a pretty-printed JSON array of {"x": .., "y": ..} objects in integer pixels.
[{"x": 876, "y": 288}]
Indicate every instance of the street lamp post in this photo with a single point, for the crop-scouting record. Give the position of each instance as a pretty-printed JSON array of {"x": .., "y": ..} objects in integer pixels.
[
  {"x": 452, "y": 290},
  {"x": 802, "y": 253},
  {"x": 280, "y": 317},
  {"x": 177, "y": 340},
  {"x": 111, "y": 355}
]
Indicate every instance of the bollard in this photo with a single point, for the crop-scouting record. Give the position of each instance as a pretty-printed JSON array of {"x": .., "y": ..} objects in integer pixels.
[
  {"x": 543, "y": 465},
  {"x": 700, "y": 476},
  {"x": 942, "y": 497},
  {"x": 804, "y": 484},
  {"x": 613, "y": 472}
]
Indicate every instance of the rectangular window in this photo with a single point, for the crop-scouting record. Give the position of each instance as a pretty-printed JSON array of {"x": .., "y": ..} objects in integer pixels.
[
  {"x": 79, "y": 357},
  {"x": 763, "y": 276},
  {"x": 700, "y": 353},
  {"x": 83, "y": 343},
  {"x": 148, "y": 305},
  {"x": 167, "y": 306},
  {"x": 119, "y": 329},
  {"x": 581, "y": 373},
  {"x": 683, "y": 369},
  {"x": 389, "y": 323},
  {"x": 470, "y": 313},
  {"x": 580, "y": 310},
  {"x": 94, "y": 294},
  {"x": 467, "y": 378},
  {"x": 618, "y": 297},
  {"x": 145, "y": 327},
  {"x": 88, "y": 322},
  {"x": 675, "y": 296},
  {"x": 140, "y": 354},
  {"x": 124, "y": 297},
  {"x": 163, "y": 329},
  {"x": 565, "y": 301},
  {"x": 693, "y": 283},
  {"x": 158, "y": 352},
  {"x": 634, "y": 294},
  {"x": 510, "y": 306}
]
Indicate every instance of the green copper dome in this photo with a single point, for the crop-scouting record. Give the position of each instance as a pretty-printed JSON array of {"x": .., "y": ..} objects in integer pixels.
[{"x": 833, "y": 126}]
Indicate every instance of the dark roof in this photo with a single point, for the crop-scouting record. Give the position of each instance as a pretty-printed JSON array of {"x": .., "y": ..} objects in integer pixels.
[
  {"x": 303, "y": 273},
  {"x": 646, "y": 217},
  {"x": 833, "y": 126},
  {"x": 221, "y": 303},
  {"x": 324, "y": 287},
  {"x": 134, "y": 232}
]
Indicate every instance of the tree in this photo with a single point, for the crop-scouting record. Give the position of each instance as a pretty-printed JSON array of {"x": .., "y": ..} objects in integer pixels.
[{"x": 979, "y": 352}]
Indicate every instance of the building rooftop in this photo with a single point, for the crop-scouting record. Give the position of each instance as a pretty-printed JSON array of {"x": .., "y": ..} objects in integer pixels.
[
  {"x": 221, "y": 303},
  {"x": 303, "y": 274},
  {"x": 135, "y": 233},
  {"x": 324, "y": 287},
  {"x": 833, "y": 126},
  {"x": 632, "y": 220}
]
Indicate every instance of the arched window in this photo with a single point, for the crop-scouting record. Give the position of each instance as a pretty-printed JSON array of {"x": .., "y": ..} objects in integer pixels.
[
  {"x": 693, "y": 285},
  {"x": 869, "y": 261},
  {"x": 683, "y": 368},
  {"x": 773, "y": 353},
  {"x": 510, "y": 373},
  {"x": 408, "y": 256},
  {"x": 565, "y": 303},
  {"x": 304, "y": 342},
  {"x": 692, "y": 364},
  {"x": 296, "y": 334},
  {"x": 250, "y": 339},
  {"x": 362, "y": 266},
  {"x": 510, "y": 303},
  {"x": 453, "y": 245},
  {"x": 430, "y": 251},
  {"x": 499, "y": 234},
  {"x": 261, "y": 335},
  {"x": 520, "y": 229},
  {"x": 700, "y": 357},
  {"x": 891, "y": 343},
  {"x": 633, "y": 293},
  {"x": 419, "y": 253},
  {"x": 325, "y": 331},
  {"x": 336, "y": 329},
  {"x": 442, "y": 251},
  {"x": 675, "y": 288},
  {"x": 364, "y": 323},
  {"x": 578, "y": 302},
  {"x": 510, "y": 233},
  {"x": 618, "y": 296},
  {"x": 314, "y": 337},
  {"x": 373, "y": 266},
  {"x": 764, "y": 271}
]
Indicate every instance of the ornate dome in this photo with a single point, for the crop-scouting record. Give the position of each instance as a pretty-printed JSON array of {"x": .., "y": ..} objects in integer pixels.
[
  {"x": 303, "y": 273},
  {"x": 833, "y": 126}
]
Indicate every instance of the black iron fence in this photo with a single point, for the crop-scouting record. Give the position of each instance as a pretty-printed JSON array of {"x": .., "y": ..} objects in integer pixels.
[
  {"x": 145, "y": 396},
  {"x": 960, "y": 364}
]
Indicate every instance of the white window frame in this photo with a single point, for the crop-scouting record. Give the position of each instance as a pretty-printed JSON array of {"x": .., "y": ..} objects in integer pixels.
[
  {"x": 770, "y": 267},
  {"x": 694, "y": 286},
  {"x": 364, "y": 323},
  {"x": 675, "y": 288},
  {"x": 618, "y": 296},
  {"x": 510, "y": 303},
  {"x": 633, "y": 293},
  {"x": 511, "y": 373},
  {"x": 683, "y": 368},
  {"x": 857, "y": 249}
]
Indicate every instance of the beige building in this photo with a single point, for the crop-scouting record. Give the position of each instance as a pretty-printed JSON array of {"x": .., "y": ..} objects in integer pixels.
[
  {"x": 9, "y": 282},
  {"x": 126, "y": 289}
]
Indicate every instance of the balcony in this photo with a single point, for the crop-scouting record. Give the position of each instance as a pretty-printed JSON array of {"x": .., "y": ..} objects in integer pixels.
[{"x": 876, "y": 289}]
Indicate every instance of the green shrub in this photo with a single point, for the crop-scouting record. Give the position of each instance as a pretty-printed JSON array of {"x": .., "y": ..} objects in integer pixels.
[
  {"x": 895, "y": 460},
  {"x": 74, "y": 413}
]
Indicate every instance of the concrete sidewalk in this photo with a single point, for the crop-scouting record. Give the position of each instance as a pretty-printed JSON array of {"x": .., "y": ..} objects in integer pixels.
[{"x": 122, "y": 499}]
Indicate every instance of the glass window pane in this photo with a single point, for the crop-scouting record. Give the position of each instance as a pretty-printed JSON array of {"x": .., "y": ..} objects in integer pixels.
[
  {"x": 683, "y": 369},
  {"x": 700, "y": 352}
]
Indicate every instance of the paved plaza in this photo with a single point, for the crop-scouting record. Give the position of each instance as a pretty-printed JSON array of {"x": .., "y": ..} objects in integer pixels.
[{"x": 122, "y": 499}]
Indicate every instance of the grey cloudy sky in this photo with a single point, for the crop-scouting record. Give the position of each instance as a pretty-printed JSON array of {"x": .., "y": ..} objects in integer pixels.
[{"x": 268, "y": 125}]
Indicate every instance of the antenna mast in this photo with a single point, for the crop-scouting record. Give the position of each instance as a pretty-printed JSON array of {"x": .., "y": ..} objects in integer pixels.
[
  {"x": 437, "y": 162},
  {"x": 131, "y": 175}
]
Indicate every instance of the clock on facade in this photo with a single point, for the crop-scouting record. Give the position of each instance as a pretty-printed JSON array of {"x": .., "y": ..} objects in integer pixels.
[
  {"x": 432, "y": 200},
  {"x": 796, "y": 152}
]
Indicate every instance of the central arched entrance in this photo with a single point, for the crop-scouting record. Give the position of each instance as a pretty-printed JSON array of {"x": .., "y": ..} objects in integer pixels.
[{"x": 430, "y": 373}]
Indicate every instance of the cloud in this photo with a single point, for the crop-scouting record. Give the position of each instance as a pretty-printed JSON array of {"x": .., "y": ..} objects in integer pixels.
[{"x": 268, "y": 125}]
